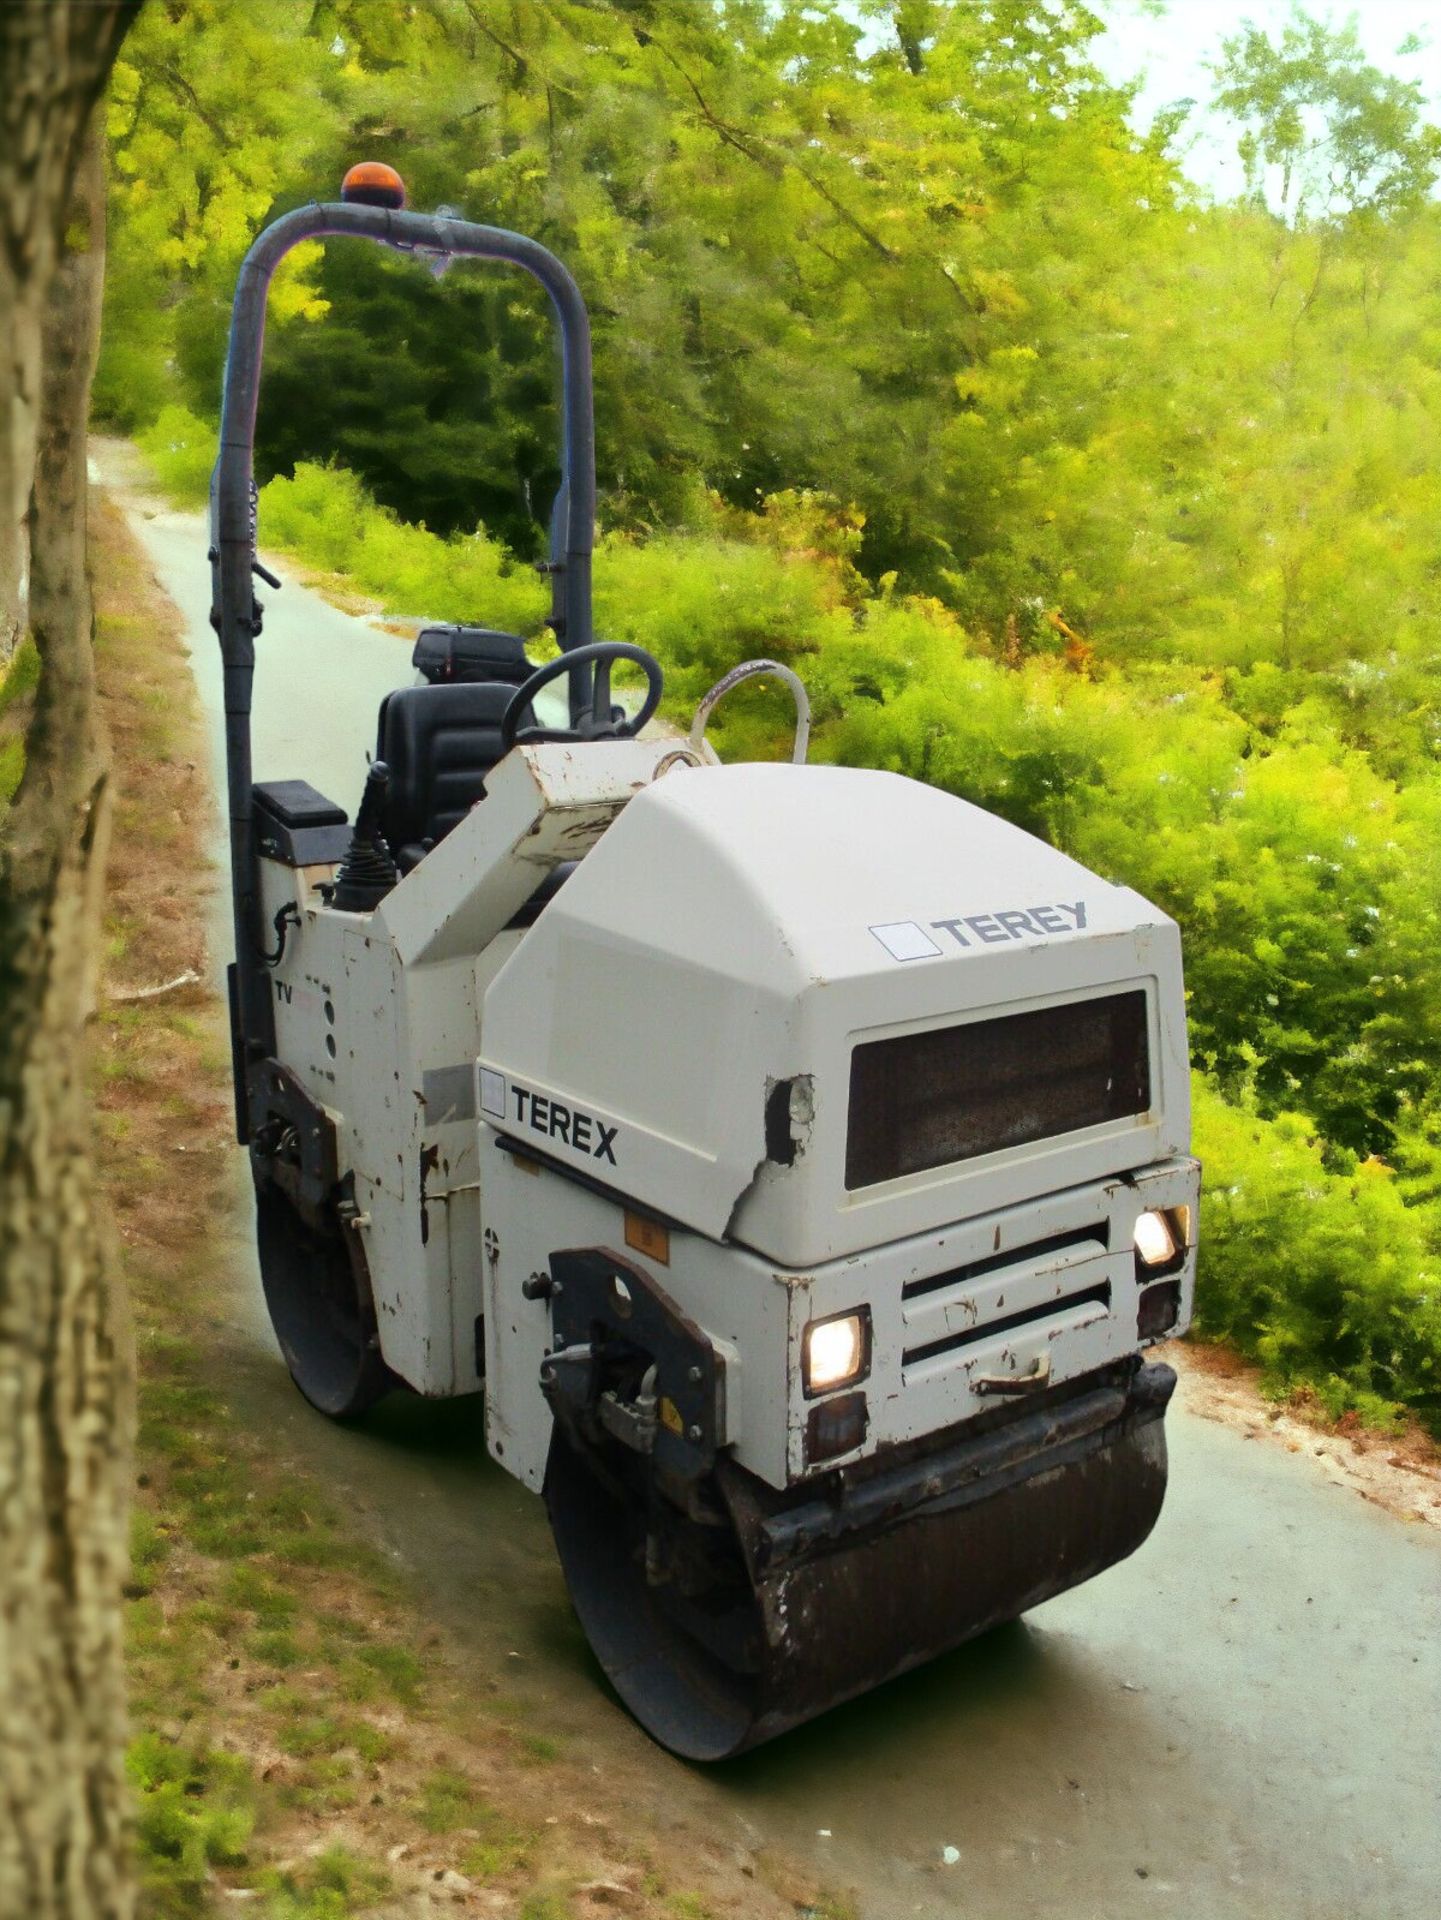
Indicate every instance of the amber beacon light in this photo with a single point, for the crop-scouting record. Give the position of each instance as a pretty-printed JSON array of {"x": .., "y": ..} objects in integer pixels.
[{"x": 370, "y": 183}]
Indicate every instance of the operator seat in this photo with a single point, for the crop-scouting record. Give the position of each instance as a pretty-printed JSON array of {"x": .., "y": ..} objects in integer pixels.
[{"x": 439, "y": 743}]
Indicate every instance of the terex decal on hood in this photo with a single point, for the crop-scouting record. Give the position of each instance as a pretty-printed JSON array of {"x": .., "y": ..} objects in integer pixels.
[
  {"x": 909, "y": 940},
  {"x": 582, "y": 1132}
]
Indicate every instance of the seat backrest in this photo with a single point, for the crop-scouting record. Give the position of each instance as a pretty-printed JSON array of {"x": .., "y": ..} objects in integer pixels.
[
  {"x": 443, "y": 654},
  {"x": 439, "y": 743}
]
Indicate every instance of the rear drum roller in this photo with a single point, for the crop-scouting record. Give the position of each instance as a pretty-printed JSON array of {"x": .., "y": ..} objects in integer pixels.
[
  {"x": 318, "y": 1294},
  {"x": 723, "y": 1632}
]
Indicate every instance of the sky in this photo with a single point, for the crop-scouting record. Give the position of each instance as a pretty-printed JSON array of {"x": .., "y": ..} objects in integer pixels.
[{"x": 1172, "y": 50}]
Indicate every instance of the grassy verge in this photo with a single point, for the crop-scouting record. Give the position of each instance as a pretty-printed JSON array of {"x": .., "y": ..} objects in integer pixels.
[{"x": 302, "y": 1741}]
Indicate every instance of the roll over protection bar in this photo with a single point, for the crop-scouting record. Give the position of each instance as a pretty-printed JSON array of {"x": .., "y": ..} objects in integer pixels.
[{"x": 235, "y": 613}]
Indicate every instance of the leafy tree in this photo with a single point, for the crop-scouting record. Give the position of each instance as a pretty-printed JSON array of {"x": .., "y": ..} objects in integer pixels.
[
  {"x": 461, "y": 426},
  {"x": 1338, "y": 136},
  {"x": 213, "y": 113},
  {"x": 792, "y": 248}
]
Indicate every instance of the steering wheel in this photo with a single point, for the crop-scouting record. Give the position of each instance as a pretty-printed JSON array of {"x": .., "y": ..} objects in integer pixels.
[{"x": 603, "y": 721}]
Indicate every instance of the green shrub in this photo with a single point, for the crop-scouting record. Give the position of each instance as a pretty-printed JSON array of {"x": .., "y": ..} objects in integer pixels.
[
  {"x": 248, "y": 1587},
  {"x": 324, "y": 515},
  {"x": 181, "y": 448},
  {"x": 501, "y": 1848},
  {"x": 545, "y": 1906},
  {"x": 275, "y": 1648},
  {"x": 400, "y": 1670},
  {"x": 1318, "y": 1271},
  {"x": 703, "y": 603}
]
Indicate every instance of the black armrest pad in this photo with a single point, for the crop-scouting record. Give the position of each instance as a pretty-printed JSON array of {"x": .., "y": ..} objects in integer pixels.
[
  {"x": 298, "y": 826},
  {"x": 295, "y": 803}
]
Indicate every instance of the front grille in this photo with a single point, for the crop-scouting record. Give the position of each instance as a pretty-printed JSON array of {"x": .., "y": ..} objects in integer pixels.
[
  {"x": 1062, "y": 1310},
  {"x": 1094, "y": 1239},
  {"x": 925, "y": 1100},
  {"x": 1058, "y": 1283}
]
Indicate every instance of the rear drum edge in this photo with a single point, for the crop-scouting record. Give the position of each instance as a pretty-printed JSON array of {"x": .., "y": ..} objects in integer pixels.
[
  {"x": 317, "y": 1293},
  {"x": 683, "y": 1694}
]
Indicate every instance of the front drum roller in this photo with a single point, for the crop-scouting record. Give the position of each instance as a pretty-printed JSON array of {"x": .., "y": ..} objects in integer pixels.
[
  {"x": 317, "y": 1291},
  {"x": 722, "y": 1631}
]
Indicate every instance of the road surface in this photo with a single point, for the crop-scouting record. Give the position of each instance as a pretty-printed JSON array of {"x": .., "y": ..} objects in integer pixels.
[{"x": 1241, "y": 1720}]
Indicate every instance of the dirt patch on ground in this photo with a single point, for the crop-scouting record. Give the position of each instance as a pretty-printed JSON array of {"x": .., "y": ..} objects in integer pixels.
[
  {"x": 1398, "y": 1471},
  {"x": 305, "y": 1740}
]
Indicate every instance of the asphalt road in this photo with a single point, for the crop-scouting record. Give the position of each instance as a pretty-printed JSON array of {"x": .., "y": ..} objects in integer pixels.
[{"x": 1242, "y": 1720}]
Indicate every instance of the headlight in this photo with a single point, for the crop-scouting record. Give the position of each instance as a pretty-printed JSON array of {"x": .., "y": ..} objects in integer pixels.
[
  {"x": 1155, "y": 1239},
  {"x": 837, "y": 1351}
]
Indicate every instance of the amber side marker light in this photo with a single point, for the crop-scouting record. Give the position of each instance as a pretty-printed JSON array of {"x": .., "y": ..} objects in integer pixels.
[
  {"x": 370, "y": 183},
  {"x": 648, "y": 1237}
]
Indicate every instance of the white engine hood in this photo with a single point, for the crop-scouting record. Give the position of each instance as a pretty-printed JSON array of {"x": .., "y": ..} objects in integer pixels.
[{"x": 738, "y": 926}]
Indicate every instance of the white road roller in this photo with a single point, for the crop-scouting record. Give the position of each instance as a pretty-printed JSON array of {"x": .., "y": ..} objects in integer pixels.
[{"x": 797, "y": 1156}]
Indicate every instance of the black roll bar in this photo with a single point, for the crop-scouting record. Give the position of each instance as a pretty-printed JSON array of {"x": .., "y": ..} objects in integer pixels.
[{"x": 235, "y": 613}]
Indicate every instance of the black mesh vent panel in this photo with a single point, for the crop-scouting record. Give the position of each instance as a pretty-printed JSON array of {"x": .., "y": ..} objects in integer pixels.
[{"x": 927, "y": 1099}]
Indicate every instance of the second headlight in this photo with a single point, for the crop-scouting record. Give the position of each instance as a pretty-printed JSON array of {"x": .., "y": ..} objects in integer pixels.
[{"x": 1156, "y": 1239}]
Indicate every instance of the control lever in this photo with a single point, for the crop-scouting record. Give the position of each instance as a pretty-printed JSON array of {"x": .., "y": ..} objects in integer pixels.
[
  {"x": 367, "y": 873},
  {"x": 255, "y": 567},
  {"x": 256, "y": 609}
]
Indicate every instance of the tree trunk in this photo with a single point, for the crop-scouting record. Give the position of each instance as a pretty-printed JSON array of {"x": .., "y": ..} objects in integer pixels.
[{"x": 65, "y": 1375}]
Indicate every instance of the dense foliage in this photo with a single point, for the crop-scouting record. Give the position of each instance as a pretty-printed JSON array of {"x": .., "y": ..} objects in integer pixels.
[{"x": 1113, "y": 510}]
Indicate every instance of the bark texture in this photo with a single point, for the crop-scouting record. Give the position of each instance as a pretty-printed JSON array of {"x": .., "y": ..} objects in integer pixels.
[{"x": 65, "y": 1372}]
